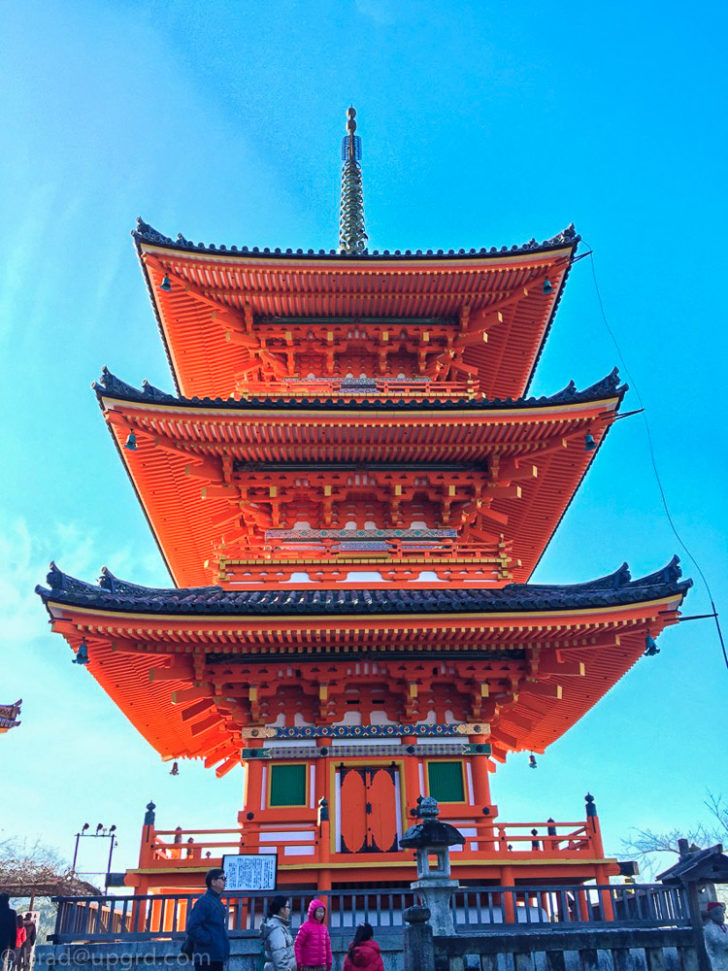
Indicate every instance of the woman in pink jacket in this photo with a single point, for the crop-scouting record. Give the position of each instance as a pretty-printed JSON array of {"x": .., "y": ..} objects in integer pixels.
[{"x": 313, "y": 945}]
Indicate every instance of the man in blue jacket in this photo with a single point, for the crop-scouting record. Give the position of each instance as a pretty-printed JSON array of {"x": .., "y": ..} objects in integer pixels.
[{"x": 207, "y": 925}]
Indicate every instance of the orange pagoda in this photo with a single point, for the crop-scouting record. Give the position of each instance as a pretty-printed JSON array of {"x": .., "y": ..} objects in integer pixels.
[
  {"x": 351, "y": 489},
  {"x": 10, "y": 716}
]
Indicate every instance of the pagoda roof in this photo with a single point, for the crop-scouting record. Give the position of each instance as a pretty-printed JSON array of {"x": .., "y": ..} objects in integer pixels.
[
  {"x": 181, "y": 442},
  {"x": 614, "y": 589},
  {"x": 210, "y": 284},
  {"x": 180, "y": 663},
  {"x": 9, "y": 716},
  {"x": 144, "y": 233},
  {"x": 110, "y": 386}
]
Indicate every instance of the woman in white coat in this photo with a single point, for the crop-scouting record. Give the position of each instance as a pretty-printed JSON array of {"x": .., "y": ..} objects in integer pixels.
[{"x": 277, "y": 937}]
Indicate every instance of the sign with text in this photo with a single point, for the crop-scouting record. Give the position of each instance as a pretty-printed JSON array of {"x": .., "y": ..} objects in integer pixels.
[{"x": 250, "y": 871}]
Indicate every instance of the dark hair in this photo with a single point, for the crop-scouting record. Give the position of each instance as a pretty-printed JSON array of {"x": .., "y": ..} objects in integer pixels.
[
  {"x": 364, "y": 932},
  {"x": 277, "y": 903},
  {"x": 5, "y": 901},
  {"x": 213, "y": 875}
]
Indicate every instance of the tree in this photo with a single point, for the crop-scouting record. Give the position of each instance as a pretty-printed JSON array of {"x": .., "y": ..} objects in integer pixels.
[
  {"x": 35, "y": 869},
  {"x": 647, "y": 845}
]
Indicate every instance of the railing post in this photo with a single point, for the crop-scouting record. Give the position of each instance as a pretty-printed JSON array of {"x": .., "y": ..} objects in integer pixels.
[
  {"x": 146, "y": 848},
  {"x": 592, "y": 826},
  {"x": 419, "y": 952},
  {"x": 54, "y": 938},
  {"x": 553, "y": 844},
  {"x": 696, "y": 920},
  {"x": 507, "y": 902},
  {"x": 324, "y": 847}
]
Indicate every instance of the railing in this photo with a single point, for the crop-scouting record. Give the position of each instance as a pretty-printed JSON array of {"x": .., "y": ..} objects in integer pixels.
[
  {"x": 505, "y": 909},
  {"x": 391, "y": 548},
  {"x": 374, "y": 388},
  {"x": 549, "y": 838},
  {"x": 484, "y": 839},
  {"x": 191, "y": 846},
  {"x": 327, "y": 561},
  {"x": 643, "y": 905},
  {"x": 165, "y": 915}
]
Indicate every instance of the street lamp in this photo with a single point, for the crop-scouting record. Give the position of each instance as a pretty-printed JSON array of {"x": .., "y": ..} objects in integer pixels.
[{"x": 101, "y": 833}]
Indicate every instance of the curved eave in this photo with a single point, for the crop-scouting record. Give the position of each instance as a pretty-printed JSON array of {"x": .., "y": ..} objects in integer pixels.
[
  {"x": 146, "y": 234},
  {"x": 613, "y": 591},
  {"x": 173, "y": 439},
  {"x": 581, "y": 653},
  {"x": 111, "y": 387},
  {"x": 109, "y": 611},
  {"x": 264, "y": 281}
]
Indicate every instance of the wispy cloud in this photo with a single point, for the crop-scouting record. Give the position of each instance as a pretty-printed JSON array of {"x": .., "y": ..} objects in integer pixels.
[
  {"x": 380, "y": 11},
  {"x": 24, "y": 558}
]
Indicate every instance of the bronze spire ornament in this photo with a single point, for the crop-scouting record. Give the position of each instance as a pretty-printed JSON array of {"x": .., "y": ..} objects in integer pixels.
[{"x": 352, "y": 237}]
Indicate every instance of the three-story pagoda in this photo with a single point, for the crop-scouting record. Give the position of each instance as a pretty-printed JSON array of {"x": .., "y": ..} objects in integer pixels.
[{"x": 351, "y": 489}]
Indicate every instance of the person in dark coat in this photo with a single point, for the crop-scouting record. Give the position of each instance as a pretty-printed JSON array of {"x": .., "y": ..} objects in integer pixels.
[
  {"x": 207, "y": 925},
  {"x": 31, "y": 933},
  {"x": 8, "y": 929}
]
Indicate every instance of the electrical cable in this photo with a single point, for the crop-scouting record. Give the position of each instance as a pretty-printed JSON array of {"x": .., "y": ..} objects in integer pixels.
[{"x": 673, "y": 527}]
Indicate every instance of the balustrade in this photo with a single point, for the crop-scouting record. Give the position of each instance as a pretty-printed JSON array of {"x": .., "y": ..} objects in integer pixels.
[
  {"x": 399, "y": 389},
  {"x": 163, "y": 916},
  {"x": 485, "y": 839}
]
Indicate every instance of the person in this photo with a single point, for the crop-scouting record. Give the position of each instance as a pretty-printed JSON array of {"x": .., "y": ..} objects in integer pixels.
[
  {"x": 312, "y": 946},
  {"x": 31, "y": 933},
  {"x": 364, "y": 953},
  {"x": 716, "y": 935},
  {"x": 207, "y": 925},
  {"x": 20, "y": 936},
  {"x": 8, "y": 930},
  {"x": 277, "y": 937}
]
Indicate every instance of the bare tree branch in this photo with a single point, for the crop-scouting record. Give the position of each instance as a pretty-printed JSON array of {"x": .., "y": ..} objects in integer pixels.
[{"x": 647, "y": 844}]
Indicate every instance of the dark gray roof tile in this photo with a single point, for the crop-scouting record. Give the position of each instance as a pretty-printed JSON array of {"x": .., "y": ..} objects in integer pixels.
[
  {"x": 118, "y": 595},
  {"x": 109, "y": 384},
  {"x": 144, "y": 233}
]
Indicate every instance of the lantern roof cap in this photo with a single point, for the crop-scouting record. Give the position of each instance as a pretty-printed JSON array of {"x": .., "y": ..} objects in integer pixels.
[{"x": 430, "y": 831}]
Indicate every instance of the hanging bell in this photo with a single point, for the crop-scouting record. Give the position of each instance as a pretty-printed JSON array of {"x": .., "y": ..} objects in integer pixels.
[
  {"x": 547, "y": 286},
  {"x": 532, "y": 763},
  {"x": 165, "y": 284},
  {"x": 130, "y": 442},
  {"x": 82, "y": 654},
  {"x": 589, "y": 443},
  {"x": 174, "y": 770},
  {"x": 651, "y": 647}
]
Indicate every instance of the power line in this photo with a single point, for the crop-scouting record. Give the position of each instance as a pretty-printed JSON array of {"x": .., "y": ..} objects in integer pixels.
[{"x": 653, "y": 461}]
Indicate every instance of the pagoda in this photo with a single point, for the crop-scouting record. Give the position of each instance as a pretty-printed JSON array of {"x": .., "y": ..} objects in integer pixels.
[
  {"x": 351, "y": 488},
  {"x": 10, "y": 716}
]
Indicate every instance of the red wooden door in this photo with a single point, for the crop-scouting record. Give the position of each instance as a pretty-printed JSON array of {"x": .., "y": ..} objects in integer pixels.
[{"x": 368, "y": 810}]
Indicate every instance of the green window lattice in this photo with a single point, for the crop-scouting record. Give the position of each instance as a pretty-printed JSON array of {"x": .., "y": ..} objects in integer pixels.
[
  {"x": 288, "y": 785},
  {"x": 445, "y": 781}
]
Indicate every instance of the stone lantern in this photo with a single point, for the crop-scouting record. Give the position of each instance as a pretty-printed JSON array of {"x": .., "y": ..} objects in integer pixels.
[{"x": 432, "y": 840}]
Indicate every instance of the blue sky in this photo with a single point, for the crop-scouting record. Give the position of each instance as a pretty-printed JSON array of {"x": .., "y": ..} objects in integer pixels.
[{"x": 482, "y": 124}]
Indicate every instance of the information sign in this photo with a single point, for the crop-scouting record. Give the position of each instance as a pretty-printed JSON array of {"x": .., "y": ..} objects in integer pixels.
[{"x": 250, "y": 871}]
